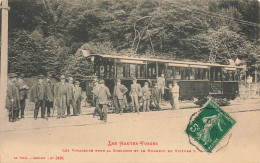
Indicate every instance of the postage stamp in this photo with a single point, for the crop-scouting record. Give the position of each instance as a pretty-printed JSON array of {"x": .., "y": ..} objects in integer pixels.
[{"x": 210, "y": 126}]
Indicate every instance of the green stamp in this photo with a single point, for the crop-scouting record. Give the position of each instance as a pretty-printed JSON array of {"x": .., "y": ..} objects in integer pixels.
[{"x": 210, "y": 126}]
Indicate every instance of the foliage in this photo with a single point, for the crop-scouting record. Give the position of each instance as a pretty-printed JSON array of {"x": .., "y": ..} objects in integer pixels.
[{"x": 48, "y": 35}]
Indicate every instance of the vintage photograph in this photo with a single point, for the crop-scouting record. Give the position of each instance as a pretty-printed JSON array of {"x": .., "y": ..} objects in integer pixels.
[{"x": 130, "y": 81}]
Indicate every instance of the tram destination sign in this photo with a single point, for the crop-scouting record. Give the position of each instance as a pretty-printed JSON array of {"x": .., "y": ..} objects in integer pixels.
[{"x": 210, "y": 126}]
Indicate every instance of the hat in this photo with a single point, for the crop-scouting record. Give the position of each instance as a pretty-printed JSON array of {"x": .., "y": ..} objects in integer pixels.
[
  {"x": 48, "y": 74},
  {"x": 70, "y": 78},
  {"x": 40, "y": 76},
  {"x": 12, "y": 75},
  {"x": 77, "y": 82},
  {"x": 62, "y": 77},
  {"x": 101, "y": 82},
  {"x": 21, "y": 75}
]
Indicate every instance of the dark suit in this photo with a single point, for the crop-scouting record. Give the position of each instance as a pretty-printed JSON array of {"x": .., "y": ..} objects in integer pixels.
[
  {"x": 119, "y": 92},
  {"x": 38, "y": 96},
  {"x": 12, "y": 93},
  {"x": 102, "y": 95},
  {"x": 49, "y": 96},
  {"x": 22, "y": 94}
]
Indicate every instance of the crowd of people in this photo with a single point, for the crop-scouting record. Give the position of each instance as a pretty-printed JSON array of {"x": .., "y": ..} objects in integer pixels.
[
  {"x": 62, "y": 95},
  {"x": 142, "y": 98}
]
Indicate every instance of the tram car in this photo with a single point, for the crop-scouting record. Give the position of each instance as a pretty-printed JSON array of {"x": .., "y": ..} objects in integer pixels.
[{"x": 195, "y": 79}]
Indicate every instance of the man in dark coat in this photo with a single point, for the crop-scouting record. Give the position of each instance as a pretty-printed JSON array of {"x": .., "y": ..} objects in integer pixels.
[
  {"x": 71, "y": 100},
  {"x": 49, "y": 94},
  {"x": 38, "y": 96},
  {"x": 77, "y": 97},
  {"x": 61, "y": 96},
  {"x": 102, "y": 95},
  {"x": 12, "y": 99},
  {"x": 155, "y": 97},
  {"x": 23, "y": 90},
  {"x": 119, "y": 92}
]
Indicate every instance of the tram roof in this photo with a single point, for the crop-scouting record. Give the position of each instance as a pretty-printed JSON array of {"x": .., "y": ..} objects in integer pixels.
[{"x": 163, "y": 60}]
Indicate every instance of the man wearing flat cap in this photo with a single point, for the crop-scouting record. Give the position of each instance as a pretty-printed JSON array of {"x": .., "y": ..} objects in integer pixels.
[
  {"x": 135, "y": 93},
  {"x": 119, "y": 92},
  {"x": 23, "y": 90},
  {"x": 61, "y": 96},
  {"x": 71, "y": 99},
  {"x": 78, "y": 97},
  {"x": 13, "y": 99},
  {"x": 38, "y": 96},
  {"x": 49, "y": 94},
  {"x": 102, "y": 95}
]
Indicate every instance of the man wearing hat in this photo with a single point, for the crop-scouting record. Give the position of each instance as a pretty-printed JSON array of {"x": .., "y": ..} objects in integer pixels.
[
  {"x": 23, "y": 89},
  {"x": 161, "y": 86},
  {"x": 135, "y": 93},
  {"x": 12, "y": 99},
  {"x": 95, "y": 101},
  {"x": 38, "y": 96},
  {"x": 155, "y": 97},
  {"x": 60, "y": 95},
  {"x": 171, "y": 95},
  {"x": 49, "y": 94},
  {"x": 119, "y": 92},
  {"x": 102, "y": 95},
  {"x": 71, "y": 100},
  {"x": 78, "y": 97},
  {"x": 175, "y": 93}
]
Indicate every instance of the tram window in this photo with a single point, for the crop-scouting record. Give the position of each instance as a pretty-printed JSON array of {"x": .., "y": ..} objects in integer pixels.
[
  {"x": 152, "y": 71},
  {"x": 120, "y": 70},
  {"x": 218, "y": 76},
  {"x": 131, "y": 71},
  {"x": 140, "y": 71},
  {"x": 177, "y": 73},
  {"x": 225, "y": 75},
  {"x": 111, "y": 71},
  {"x": 230, "y": 75},
  {"x": 106, "y": 71},
  {"x": 170, "y": 72},
  {"x": 192, "y": 74},
  {"x": 205, "y": 75},
  {"x": 198, "y": 73},
  {"x": 237, "y": 75}
]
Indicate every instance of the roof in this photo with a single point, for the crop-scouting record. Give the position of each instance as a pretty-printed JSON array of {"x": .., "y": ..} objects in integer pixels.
[{"x": 163, "y": 60}]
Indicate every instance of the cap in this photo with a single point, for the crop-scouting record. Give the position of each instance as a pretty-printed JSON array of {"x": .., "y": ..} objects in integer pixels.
[
  {"x": 77, "y": 82},
  {"x": 70, "y": 78},
  {"x": 12, "y": 75},
  {"x": 62, "y": 77},
  {"x": 49, "y": 75},
  {"x": 40, "y": 76},
  {"x": 101, "y": 82}
]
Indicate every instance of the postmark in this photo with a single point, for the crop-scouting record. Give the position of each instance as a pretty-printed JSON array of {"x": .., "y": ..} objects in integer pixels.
[{"x": 210, "y": 126}]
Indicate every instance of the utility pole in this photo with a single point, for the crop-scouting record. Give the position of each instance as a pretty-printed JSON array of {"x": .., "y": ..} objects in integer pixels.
[{"x": 4, "y": 56}]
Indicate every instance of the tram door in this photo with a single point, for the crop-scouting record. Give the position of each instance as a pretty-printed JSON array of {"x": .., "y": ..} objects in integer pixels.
[{"x": 216, "y": 85}]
